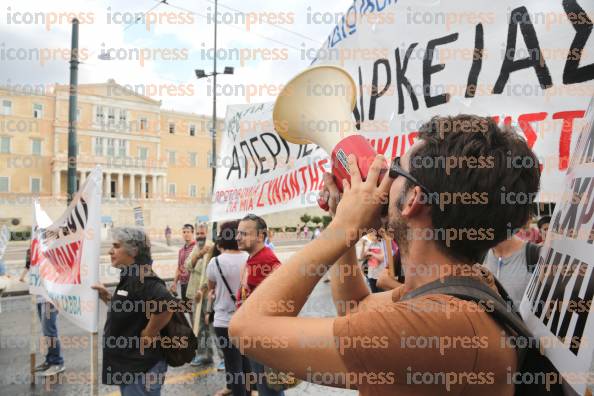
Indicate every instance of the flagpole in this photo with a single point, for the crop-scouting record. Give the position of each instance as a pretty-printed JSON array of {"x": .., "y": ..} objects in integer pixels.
[{"x": 33, "y": 340}]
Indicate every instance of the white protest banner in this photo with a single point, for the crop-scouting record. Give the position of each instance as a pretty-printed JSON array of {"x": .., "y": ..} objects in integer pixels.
[
  {"x": 4, "y": 238},
  {"x": 65, "y": 255},
  {"x": 523, "y": 62},
  {"x": 259, "y": 172},
  {"x": 558, "y": 300}
]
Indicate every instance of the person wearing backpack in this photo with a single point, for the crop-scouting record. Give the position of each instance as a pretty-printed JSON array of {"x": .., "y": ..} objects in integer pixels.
[
  {"x": 436, "y": 342},
  {"x": 133, "y": 356},
  {"x": 224, "y": 277},
  {"x": 512, "y": 262}
]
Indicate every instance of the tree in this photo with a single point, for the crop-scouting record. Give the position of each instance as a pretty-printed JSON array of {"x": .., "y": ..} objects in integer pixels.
[
  {"x": 326, "y": 220},
  {"x": 316, "y": 220},
  {"x": 305, "y": 218}
]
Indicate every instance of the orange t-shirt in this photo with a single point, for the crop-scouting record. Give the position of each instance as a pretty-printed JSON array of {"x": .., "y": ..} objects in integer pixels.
[{"x": 429, "y": 345}]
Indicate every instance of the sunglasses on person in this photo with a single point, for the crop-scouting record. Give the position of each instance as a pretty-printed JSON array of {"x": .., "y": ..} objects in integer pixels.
[{"x": 396, "y": 170}]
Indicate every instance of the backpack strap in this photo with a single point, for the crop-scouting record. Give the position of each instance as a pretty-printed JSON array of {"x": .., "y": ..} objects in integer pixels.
[
  {"x": 469, "y": 289},
  {"x": 532, "y": 254},
  {"x": 224, "y": 280}
]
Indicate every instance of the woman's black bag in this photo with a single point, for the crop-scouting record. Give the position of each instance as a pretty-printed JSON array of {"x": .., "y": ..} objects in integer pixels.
[{"x": 178, "y": 341}]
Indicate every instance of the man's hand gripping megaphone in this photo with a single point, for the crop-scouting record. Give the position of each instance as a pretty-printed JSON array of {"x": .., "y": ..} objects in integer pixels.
[{"x": 360, "y": 206}]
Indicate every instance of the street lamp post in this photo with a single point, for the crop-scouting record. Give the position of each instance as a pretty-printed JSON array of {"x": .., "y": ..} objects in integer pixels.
[
  {"x": 201, "y": 74},
  {"x": 72, "y": 121}
]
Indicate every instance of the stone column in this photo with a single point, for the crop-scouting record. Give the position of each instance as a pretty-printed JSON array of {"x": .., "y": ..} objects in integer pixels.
[
  {"x": 143, "y": 186},
  {"x": 56, "y": 189},
  {"x": 154, "y": 185},
  {"x": 106, "y": 184},
  {"x": 120, "y": 185},
  {"x": 132, "y": 193}
]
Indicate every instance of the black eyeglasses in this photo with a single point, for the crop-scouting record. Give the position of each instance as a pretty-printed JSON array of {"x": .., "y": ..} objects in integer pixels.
[{"x": 396, "y": 170}]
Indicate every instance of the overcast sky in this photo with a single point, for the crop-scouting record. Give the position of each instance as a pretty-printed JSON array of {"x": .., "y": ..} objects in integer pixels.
[{"x": 173, "y": 38}]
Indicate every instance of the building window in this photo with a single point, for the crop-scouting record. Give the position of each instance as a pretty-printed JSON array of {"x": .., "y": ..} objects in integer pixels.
[
  {"x": 172, "y": 190},
  {"x": 193, "y": 159},
  {"x": 4, "y": 184},
  {"x": 122, "y": 148},
  {"x": 110, "y": 116},
  {"x": 123, "y": 117},
  {"x": 142, "y": 153},
  {"x": 171, "y": 127},
  {"x": 99, "y": 115},
  {"x": 98, "y": 146},
  {"x": 37, "y": 110},
  {"x": 143, "y": 124},
  {"x": 172, "y": 158},
  {"x": 78, "y": 114},
  {"x": 35, "y": 185},
  {"x": 6, "y": 107},
  {"x": 4, "y": 144},
  {"x": 192, "y": 191},
  {"x": 110, "y": 147},
  {"x": 36, "y": 146},
  {"x": 192, "y": 130},
  {"x": 209, "y": 159}
]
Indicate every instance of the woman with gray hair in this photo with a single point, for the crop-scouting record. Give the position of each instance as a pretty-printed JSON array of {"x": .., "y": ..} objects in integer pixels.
[{"x": 136, "y": 312}]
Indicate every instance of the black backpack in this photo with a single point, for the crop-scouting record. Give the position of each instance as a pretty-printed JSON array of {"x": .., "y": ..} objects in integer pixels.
[
  {"x": 182, "y": 343},
  {"x": 178, "y": 341},
  {"x": 530, "y": 360}
]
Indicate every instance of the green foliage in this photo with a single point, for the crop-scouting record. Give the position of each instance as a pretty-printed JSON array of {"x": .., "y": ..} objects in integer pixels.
[{"x": 305, "y": 218}]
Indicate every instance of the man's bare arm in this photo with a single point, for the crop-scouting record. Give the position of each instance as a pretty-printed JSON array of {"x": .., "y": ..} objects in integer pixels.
[
  {"x": 347, "y": 283},
  {"x": 266, "y": 327}
]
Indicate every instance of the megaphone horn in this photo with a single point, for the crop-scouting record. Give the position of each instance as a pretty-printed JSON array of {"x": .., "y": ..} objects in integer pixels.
[{"x": 316, "y": 107}]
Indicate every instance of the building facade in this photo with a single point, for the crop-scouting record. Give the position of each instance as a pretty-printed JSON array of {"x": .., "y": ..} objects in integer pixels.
[{"x": 156, "y": 159}]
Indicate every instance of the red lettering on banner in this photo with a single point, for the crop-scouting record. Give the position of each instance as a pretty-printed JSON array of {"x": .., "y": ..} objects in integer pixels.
[
  {"x": 412, "y": 136},
  {"x": 302, "y": 171},
  {"x": 321, "y": 164},
  {"x": 314, "y": 177},
  {"x": 566, "y": 132},
  {"x": 394, "y": 146},
  {"x": 295, "y": 189},
  {"x": 260, "y": 204},
  {"x": 62, "y": 264},
  {"x": 35, "y": 254},
  {"x": 381, "y": 148},
  {"x": 524, "y": 121},
  {"x": 285, "y": 188}
]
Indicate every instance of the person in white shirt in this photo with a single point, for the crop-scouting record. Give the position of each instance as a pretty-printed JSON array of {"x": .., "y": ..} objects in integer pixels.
[
  {"x": 374, "y": 253},
  {"x": 224, "y": 277}
]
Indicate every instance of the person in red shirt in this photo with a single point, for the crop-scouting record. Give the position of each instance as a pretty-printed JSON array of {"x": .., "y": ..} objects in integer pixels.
[{"x": 251, "y": 236}]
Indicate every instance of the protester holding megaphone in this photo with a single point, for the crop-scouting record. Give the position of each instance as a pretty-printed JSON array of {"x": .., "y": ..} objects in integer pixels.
[{"x": 400, "y": 341}]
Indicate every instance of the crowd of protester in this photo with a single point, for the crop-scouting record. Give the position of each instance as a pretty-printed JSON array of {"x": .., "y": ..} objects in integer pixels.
[{"x": 236, "y": 284}]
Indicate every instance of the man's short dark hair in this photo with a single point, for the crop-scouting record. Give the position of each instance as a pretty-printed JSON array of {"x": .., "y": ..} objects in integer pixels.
[
  {"x": 543, "y": 220},
  {"x": 188, "y": 226},
  {"x": 475, "y": 137},
  {"x": 261, "y": 225},
  {"x": 227, "y": 238}
]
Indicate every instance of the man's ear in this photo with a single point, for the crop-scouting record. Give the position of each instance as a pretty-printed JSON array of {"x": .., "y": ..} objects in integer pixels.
[{"x": 415, "y": 202}]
